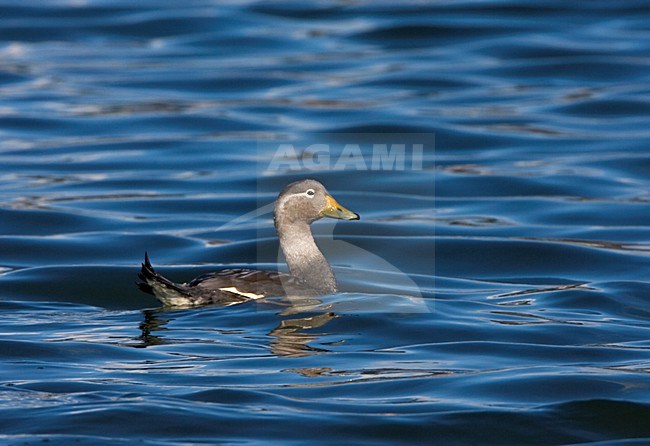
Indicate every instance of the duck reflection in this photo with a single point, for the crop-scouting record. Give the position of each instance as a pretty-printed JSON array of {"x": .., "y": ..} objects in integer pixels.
[
  {"x": 150, "y": 325},
  {"x": 291, "y": 341},
  {"x": 288, "y": 339}
]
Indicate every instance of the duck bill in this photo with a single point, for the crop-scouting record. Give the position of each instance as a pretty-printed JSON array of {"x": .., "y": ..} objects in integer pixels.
[{"x": 335, "y": 210}]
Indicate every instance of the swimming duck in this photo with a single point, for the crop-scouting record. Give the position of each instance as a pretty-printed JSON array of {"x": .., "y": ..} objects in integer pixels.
[{"x": 299, "y": 205}]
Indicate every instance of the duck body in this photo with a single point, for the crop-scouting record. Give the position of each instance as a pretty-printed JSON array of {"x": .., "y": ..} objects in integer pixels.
[
  {"x": 225, "y": 287},
  {"x": 297, "y": 207}
]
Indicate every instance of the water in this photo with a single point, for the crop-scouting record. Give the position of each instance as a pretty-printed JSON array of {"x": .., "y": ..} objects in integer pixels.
[{"x": 510, "y": 306}]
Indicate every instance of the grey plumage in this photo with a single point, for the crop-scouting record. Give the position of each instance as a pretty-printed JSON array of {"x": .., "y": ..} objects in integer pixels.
[{"x": 297, "y": 207}]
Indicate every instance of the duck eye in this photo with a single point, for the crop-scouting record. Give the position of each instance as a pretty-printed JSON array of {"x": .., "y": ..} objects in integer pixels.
[{"x": 310, "y": 192}]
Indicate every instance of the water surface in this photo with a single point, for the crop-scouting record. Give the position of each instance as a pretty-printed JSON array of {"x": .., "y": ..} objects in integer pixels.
[{"x": 495, "y": 294}]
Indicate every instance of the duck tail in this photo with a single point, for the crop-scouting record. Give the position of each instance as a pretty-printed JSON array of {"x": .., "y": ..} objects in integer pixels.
[{"x": 153, "y": 283}]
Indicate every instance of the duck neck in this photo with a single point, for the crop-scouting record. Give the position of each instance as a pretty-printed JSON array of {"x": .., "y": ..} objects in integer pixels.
[{"x": 305, "y": 261}]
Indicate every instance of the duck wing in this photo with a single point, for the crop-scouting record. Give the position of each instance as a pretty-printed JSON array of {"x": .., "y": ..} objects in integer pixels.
[
  {"x": 245, "y": 283},
  {"x": 226, "y": 287}
]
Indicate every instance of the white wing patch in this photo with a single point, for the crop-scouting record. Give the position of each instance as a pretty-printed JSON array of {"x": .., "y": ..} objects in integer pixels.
[{"x": 234, "y": 290}]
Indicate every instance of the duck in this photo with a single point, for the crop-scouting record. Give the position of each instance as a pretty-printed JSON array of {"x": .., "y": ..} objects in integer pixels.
[{"x": 298, "y": 205}]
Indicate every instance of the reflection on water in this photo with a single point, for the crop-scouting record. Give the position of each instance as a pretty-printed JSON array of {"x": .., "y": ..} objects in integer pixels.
[
  {"x": 151, "y": 324},
  {"x": 290, "y": 338}
]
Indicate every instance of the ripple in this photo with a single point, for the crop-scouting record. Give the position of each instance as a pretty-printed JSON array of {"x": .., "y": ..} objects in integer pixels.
[{"x": 504, "y": 278}]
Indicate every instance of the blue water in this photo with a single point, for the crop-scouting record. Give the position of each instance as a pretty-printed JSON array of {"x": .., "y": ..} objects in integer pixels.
[{"x": 495, "y": 291}]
